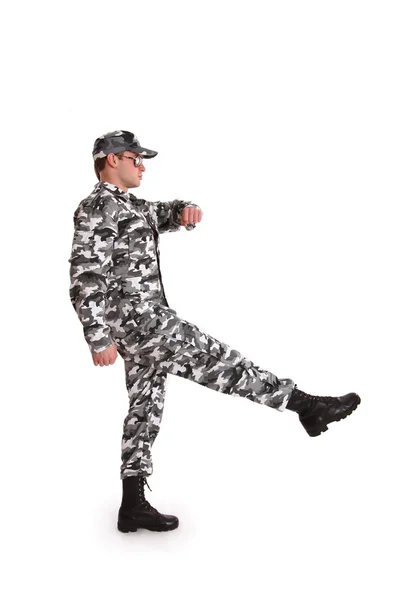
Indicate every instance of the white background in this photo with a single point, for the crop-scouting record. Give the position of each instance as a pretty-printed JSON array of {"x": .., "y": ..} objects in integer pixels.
[{"x": 281, "y": 120}]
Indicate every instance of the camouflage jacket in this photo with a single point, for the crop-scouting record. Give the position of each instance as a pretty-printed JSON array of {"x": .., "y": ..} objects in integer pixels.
[{"x": 115, "y": 258}]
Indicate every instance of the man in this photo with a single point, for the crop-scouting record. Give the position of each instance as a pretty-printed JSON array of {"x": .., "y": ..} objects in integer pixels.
[{"x": 117, "y": 291}]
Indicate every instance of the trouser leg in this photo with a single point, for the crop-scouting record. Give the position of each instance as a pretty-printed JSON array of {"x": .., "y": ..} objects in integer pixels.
[
  {"x": 146, "y": 392},
  {"x": 174, "y": 345}
]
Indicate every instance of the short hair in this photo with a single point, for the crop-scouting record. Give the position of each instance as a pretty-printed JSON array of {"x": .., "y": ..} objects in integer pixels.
[{"x": 100, "y": 163}]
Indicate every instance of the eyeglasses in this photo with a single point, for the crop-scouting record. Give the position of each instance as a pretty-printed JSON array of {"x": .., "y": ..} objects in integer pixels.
[{"x": 137, "y": 160}]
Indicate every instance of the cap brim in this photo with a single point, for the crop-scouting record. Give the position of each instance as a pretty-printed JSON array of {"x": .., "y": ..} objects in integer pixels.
[{"x": 145, "y": 152}]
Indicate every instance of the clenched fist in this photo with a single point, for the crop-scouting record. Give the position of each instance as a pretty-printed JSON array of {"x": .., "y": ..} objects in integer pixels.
[
  {"x": 191, "y": 214},
  {"x": 106, "y": 357}
]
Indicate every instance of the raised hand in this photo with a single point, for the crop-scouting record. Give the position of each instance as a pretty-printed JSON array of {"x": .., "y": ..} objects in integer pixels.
[{"x": 191, "y": 214}]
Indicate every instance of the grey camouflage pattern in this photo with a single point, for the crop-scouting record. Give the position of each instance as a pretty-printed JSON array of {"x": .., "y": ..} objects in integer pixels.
[
  {"x": 162, "y": 343},
  {"x": 119, "y": 141},
  {"x": 117, "y": 292},
  {"x": 115, "y": 256}
]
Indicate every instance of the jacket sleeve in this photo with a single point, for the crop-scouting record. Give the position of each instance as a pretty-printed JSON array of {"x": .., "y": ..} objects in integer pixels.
[
  {"x": 91, "y": 258},
  {"x": 168, "y": 214}
]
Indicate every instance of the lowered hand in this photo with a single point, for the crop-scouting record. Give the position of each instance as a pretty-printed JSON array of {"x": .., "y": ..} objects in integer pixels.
[{"x": 105, "y": 357}]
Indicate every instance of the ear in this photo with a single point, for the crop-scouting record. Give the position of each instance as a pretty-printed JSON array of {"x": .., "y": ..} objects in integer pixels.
[{"x": 111, "y": 159}]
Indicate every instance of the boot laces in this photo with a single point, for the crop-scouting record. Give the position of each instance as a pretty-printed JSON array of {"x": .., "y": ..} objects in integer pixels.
[
  {"x": 308, "y": 396},
  {"x": 143, "y": 502}
]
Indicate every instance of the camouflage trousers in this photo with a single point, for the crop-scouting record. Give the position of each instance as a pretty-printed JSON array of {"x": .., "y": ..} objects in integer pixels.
[{"x": 155, "y": 342}]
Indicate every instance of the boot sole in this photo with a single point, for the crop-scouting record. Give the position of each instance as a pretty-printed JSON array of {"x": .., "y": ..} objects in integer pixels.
[
  {"x": 131, "y": 527},
  {"x": 315, "y": 426}
]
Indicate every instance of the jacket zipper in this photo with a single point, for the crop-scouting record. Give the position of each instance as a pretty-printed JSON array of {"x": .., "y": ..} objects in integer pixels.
[{"x": 155, "y": 236}]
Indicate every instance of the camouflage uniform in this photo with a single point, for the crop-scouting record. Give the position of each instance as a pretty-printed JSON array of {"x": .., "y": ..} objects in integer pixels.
[{"x": 117, "y": 291}]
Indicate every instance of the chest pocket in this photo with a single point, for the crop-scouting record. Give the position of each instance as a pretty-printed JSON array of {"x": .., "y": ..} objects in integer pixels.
[
  {"x": 141, "y": 244},
  {"x": 141, "y": 238}
]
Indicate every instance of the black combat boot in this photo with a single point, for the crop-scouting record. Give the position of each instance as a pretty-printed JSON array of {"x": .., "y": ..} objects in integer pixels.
[
  {"x": 315, "y": 412},
  {"x": 135, "y": 511}
]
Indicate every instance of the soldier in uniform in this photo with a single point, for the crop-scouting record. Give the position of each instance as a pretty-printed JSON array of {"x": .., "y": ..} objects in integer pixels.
[{"x": 117, "y": 292}]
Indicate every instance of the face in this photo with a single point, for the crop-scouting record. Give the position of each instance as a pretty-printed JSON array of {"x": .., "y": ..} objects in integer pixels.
[{"x": 125, "y": 174}]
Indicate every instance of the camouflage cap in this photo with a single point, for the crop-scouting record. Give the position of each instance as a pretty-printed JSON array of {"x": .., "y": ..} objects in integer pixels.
[{"x": 118, "y": 141}]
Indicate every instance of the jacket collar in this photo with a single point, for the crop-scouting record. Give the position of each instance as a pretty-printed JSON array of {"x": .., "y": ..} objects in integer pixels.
[
  {"x": 117, "y": 191},
  {"x": 114, "y": 189}
]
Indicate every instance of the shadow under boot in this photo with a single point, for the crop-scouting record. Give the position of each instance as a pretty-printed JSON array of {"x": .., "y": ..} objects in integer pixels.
[
  {"x": 315, "y": 412},
  {"x": 136, "y": 512}
]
